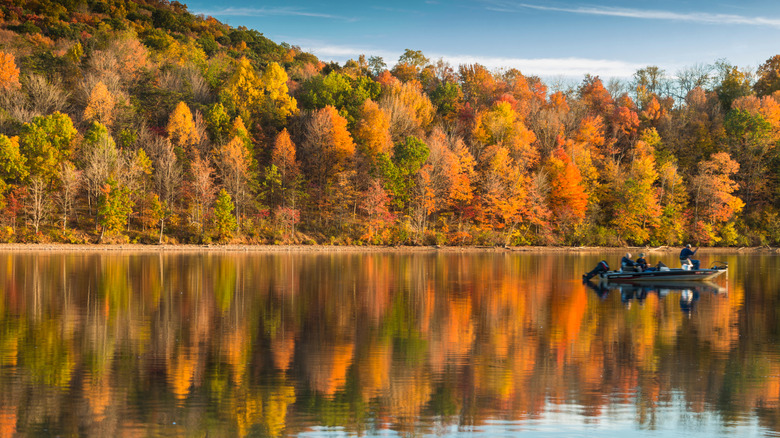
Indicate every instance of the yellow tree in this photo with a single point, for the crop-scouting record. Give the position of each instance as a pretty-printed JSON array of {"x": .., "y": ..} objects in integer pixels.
[
  {"x": 636, "y": 210},
  {"x": 372, "y": 130},
  {"x": 501, "y": 125},
  {"x": 242, "y": 93},
  {"x": 277, "y": 101},
  {"x": 408, "y": 107},
  {"x": 181, "y": 127},
  {"x": 9, "y": 73},
  {"x": 100, "y": 106},
  {"x": 503, "y": 191}
]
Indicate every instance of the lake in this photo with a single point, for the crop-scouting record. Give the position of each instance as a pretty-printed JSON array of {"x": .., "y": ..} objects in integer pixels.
[{"x": 425, "y": 343}]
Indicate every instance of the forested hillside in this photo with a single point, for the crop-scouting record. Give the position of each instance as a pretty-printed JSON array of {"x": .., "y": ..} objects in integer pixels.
[{"x": 127, "y": 120}]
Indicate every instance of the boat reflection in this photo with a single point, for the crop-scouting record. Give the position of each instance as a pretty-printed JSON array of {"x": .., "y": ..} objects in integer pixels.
[{"x": 689, "y": 291}]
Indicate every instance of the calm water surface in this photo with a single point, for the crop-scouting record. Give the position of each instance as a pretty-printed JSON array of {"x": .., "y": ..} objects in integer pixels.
[{"x": 366, "y": 344}]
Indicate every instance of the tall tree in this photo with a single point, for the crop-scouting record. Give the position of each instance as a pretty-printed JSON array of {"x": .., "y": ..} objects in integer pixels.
[
  {"x": 9, "y": 73},
  {"x": 327, "y": 148},
  {"x": 712, "y": 195},
  {"x": 114, "y": 208},
  {"x": 46, "y": 142},
  {"x": 224, "y": 221},
  {"x": 567, "y": 198},
  {"x": 203, "y": 190},
  {"x": 70, "y": 181},
  {"x": 635, "y": 208},
  {"x": 277, "y": 102},
  {"x": 372, "y": 131},
  {"x": 235, "y": 167},
  {"x": 181, "y": 127},
  {"x": 39, "y": 203},
  {"x": 768, "y": 77},
  {"x": 283, "y": 159},
  {"x": 100, "y": 106}
]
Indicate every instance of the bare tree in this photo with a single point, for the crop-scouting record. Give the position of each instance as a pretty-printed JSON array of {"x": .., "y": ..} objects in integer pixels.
[
  {"x": 202, "y": 189},
  {"x": 70, "y": 180},
  {"x": 167, "y": 170},
  {"x": 688, "y": 78},
  {"x": 44, "y": 97},
  {"x": 39, "y": 206},
  {"x": 101, "y": 160}
]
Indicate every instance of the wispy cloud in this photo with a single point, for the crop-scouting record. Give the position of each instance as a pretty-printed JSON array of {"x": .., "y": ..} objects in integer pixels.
[
  {"x": 266, "y": 12},
  {"x": 572, "y": 67},
  {"x": 577, "y": 67},
  {"x": 646, "y": 14}
]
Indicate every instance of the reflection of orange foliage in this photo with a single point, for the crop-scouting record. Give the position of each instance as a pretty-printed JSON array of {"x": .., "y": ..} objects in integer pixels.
[
  {"x": 328, "y": 370},
  {"x": 181, "y": 374},
  {"x": 374, "y": 369},
  {"x": 720, "y": 327},
  {"x": 7, "y": 422},
  {"x": 282, "y": 351},
  {"x": 410, "y": 392},
  {"x": 567, "y": 309},
  {"x": 644, "y": 332},
  {"x": 98, "y": 394},
  {"x": 235, "y": 353}
]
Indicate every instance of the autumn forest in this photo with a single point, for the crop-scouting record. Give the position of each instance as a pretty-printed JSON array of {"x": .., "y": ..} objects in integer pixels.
[{"x": 137, "y": 121}]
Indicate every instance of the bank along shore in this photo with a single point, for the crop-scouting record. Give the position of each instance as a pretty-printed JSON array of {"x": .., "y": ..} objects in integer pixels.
[{"x": 45, "y": 247}]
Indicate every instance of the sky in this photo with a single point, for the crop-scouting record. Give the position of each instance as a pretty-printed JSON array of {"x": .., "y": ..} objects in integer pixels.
[{"x": 567, "y": 39}]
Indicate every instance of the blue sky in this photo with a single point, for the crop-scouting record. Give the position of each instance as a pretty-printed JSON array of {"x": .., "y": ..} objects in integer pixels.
[{"x": 609, "y": 38}]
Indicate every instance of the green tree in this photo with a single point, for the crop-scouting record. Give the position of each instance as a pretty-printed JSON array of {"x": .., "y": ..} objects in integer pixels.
[
  {"x": 400, "y": 172},
  {"x": 114, "y": 208},
  {"x": 224, "y": 221},
  {"x": 734, "y": 83},
  {"x": 340, "y": 91},
  {"x": 46, "y": 142},
  {"x": 749, "y": 139},
  {"x": 13, "y": 165},
  {"x": 218, "y": 123}
]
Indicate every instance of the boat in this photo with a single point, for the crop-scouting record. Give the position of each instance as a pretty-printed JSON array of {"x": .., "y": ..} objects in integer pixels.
[{"x": 665, "y": 274}]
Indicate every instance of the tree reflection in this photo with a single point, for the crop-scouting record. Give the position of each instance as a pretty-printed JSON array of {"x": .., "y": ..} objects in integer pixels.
[{"x": 274, "y": 344}]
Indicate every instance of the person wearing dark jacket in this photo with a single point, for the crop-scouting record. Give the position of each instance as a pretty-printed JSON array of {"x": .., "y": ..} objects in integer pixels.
[
  {"x": 685, "y": 256},
  {"x": 626, "y": 262},
  {"x": 641, "y": 262}
]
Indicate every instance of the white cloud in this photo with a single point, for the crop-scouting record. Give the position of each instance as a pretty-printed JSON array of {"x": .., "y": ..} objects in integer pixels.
[
  {"x": 573, "y": 67},
  {"x": 265, "y": 12},
  {"x": 649, "y": 14},
  {"x": 552, "y": 66}
]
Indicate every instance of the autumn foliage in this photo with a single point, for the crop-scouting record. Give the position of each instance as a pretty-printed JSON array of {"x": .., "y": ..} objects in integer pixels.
[{"x": 188, "y": 106}]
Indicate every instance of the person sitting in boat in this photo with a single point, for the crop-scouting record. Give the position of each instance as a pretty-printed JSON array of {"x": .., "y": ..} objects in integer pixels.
[
  {"x": 641, "y": 262},
  {"x": 626, "y": 264},
  {"x": 685, "y": 256}
]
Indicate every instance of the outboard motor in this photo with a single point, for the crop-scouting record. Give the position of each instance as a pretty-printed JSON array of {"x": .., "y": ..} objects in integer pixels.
[{"x": 602, "y": 266}]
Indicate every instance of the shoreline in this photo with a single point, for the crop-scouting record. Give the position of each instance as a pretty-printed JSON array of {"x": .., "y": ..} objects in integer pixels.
[{"x": 38, "y": 247}]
